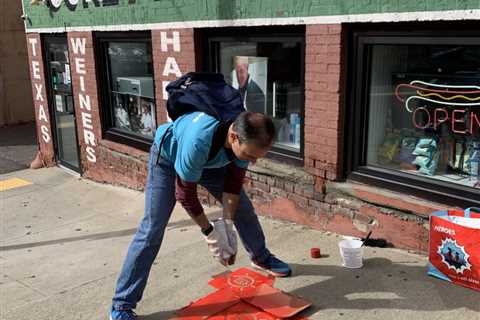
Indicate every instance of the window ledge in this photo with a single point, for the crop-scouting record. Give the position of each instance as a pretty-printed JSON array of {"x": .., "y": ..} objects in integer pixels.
[
  {"x": 280, "y": 170},
  {"x": 124, "y": 149},
  {"x": 386, "y": 198}
]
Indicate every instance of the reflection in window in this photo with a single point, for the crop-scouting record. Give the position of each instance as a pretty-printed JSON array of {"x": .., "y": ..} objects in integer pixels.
[
  {"x": 424, "y": 111},
  {"x": 132, "y": 91}
]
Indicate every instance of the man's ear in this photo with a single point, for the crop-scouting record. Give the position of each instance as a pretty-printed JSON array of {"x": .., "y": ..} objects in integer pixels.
[{"x": 232, "y": 135}]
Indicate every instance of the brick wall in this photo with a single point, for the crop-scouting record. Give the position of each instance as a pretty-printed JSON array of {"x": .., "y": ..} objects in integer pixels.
[
  {"x": 40, "y": 100},
  {"x": 323, "y": 101}
]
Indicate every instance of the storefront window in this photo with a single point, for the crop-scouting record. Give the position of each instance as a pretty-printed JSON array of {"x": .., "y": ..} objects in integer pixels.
[
  {"x": 269, "y": 75},
  {"x": 130, "y": 107},
  {"x": 422, "y": 113}
]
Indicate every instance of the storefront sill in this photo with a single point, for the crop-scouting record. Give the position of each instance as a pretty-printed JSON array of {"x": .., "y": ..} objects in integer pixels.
[
  {"x": 284, "y": 171},
  {"x": 386, "y": 198},
  {"x": 124, "y": 149}
]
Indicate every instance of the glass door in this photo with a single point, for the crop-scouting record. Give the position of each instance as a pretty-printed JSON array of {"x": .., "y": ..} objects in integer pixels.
[{"x": 61, "y": 101}]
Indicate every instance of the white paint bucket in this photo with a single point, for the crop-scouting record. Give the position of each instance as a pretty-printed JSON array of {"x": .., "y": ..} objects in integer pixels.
[{"x": 352, "y": 253}]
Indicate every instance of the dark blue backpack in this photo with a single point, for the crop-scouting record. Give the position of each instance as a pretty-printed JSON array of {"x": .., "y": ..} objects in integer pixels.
[
  {"x": 209, "y": 93},
  {"x": 206, "y": 92}
]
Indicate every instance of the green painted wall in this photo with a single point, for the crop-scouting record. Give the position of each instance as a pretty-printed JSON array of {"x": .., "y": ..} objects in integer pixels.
[{"x": 154, "y": 11}]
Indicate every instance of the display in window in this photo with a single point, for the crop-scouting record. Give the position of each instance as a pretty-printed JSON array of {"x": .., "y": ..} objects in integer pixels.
[
  {"x": 131, "y": 89},
  {"x": 450, "y": 112},
  {"x": 250, "y": 77},
  {"x": 134, "y": 108},
  {"x": 432, "y": 128},
  {"x": 270, "y": 78}
]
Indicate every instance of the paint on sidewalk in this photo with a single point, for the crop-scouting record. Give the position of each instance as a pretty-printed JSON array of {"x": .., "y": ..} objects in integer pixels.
[
  {"x": 244, "y": 294},
  {"x": 13, "y": 183}
]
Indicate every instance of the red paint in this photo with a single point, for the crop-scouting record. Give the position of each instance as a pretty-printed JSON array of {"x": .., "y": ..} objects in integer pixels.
[
  {"x": 244, "y": 294},
  {"x": 315, "y": 253},
  {"x": 208, "y": 306},
  {"x": 276, "y": 302}
]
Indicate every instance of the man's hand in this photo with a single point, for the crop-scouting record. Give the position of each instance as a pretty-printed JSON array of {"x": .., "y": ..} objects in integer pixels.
[{"x": 218, "y": 244}]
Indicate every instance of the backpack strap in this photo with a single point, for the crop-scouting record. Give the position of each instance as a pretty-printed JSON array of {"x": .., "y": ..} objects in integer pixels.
[{"x": 218, "y": 140}]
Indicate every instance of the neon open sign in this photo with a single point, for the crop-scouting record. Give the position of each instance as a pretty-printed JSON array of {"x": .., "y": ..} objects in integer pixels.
[{"x": 458, "y": 106}]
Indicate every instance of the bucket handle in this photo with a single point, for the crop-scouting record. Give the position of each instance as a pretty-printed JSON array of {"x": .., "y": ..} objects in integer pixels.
[{"x": 468, "y": 210}]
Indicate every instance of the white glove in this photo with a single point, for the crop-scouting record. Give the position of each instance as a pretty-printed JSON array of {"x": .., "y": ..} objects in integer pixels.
[
  {"x": 218, "y": 245},
  {"x": 225, "y": 226}
]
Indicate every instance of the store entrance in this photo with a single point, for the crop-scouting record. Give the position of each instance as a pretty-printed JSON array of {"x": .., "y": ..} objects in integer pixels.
[{"x": 61, "y": 101}]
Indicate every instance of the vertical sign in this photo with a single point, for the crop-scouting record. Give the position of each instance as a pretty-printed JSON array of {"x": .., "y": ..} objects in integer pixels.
[
  {"x": 40, "y": 99},
  {"x": 167, "y": 44},
  {"x": 78, "y": 47}
]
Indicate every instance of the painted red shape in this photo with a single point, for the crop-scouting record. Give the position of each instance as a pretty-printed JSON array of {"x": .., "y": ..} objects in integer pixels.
[
  {"x": 243, "y": 279},
  {"x": 208, "y": 305},
  {"x": 276, "y": 302},
  {"x": 243, "y": 311},
  {"x": 219, "y": 281},
  {"x": 244, "y": 294}
]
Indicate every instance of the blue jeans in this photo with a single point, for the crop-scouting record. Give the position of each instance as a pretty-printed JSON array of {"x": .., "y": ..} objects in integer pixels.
[{"x": 159, "y": 204}]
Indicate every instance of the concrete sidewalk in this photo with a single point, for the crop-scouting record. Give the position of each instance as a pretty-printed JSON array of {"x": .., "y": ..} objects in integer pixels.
[{"x": 63, "y": 240}]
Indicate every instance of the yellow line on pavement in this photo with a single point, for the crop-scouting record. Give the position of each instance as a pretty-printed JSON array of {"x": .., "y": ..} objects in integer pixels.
[{"x": 13, "y": 183}]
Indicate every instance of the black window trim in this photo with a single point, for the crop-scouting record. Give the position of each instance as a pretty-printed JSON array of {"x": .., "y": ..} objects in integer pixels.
[
  {"x": 356, "y": 146},
  {"x": 101, "y": 60},
  {"x": 296, "y": 33}
]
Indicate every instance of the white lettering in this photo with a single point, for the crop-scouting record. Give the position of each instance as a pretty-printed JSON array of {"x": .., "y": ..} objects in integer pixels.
[
  {"x": 91, "y": 154},
  {"x": 33, "y": 42},
  {"x": 38, "y": 95},
  {"x": 171, "y": 66},
  {"x": 164, "y": 41},
  {"x": 445, "y": 230},
  {"x": 85, "y": 102},
  {"x": 78, "y": 45},
  {"x": 41, "y": 114},
  {"x": 80, "y": 65},
  {"x": 82, "y": 83},
  {"x": 36, "y": 70},
  {"x": 73, "y": 2},
  {"x": 89, "y": 137},
  {"x": 87, "y": 120},
  {"x": 164, "y": 90},
  {"x": 45, "y": 133}
]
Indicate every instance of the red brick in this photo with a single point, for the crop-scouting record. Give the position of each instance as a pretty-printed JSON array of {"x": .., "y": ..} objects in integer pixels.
[
  {"x": 317, "y": 29},
  {"x": 298, "y": 200}
]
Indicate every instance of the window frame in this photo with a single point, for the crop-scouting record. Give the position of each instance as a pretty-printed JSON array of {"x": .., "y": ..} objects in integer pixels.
[
  {"x": 211, "y": 61},
  {"x": 109, "y": 132},
  {"x": 358, "y": 105}
]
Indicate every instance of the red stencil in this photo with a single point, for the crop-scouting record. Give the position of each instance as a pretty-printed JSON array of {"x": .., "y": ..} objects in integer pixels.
[{"x": 244, "y": 294}]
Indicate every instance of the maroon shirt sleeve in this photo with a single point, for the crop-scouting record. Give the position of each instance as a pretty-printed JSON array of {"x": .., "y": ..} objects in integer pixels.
[
  {"x": 186, "y": 194},
  {"x": 234, "y": 177}
]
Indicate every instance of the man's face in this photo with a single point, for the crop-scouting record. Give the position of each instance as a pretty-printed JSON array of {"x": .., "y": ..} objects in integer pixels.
[
  {"x": 242, "y": 74},
  {"x": 247, "y": 151}
]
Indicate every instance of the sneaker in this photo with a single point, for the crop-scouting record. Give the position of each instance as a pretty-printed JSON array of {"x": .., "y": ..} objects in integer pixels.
[
  {"x": 274, "y": 266},
  {"x": 122, "y": 315}
]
